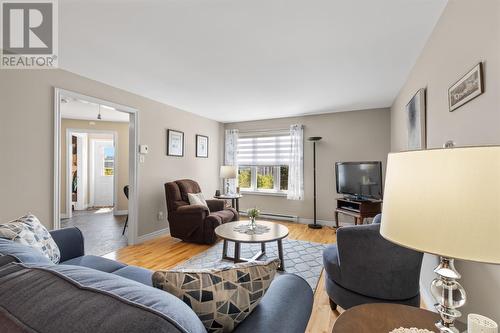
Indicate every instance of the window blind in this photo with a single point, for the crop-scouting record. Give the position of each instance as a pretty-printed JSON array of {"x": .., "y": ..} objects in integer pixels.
[{"x": 264, "y": 148}]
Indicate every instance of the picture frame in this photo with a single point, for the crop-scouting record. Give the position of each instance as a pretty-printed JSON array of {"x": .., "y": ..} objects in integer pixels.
[
  {"x": 467, "y": 88},
  {"x": 201, "y": 146},
  {"x": 175, "y": 143},
  {"x": 416, "y": 121}
]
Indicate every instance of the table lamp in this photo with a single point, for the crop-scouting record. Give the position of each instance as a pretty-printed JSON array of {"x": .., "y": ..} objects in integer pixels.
[
  {"x": 228, "y": 172},
  {"x": 445, "y": 202}
]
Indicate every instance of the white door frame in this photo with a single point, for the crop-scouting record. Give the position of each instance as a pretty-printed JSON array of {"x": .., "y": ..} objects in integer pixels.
[
  {"x": 88, "y": 178},
  {"x": 82, "y": 172},
  {"x": 133, "y": 157},
  {"x": 115, "y": 173}
]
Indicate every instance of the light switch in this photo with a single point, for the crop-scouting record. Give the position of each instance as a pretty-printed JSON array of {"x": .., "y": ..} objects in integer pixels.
[{"x": 143, "y": 149}]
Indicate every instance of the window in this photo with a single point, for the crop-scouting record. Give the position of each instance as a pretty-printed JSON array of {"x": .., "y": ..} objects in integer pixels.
[
  {"x": 245, "y": 177},
  {"x": 263, "y": 162},
  {"x": 109, "y": 162}
]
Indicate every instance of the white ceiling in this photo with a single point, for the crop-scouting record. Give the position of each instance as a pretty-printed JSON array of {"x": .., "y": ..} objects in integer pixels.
[
  {"x": 82, "y": 110},
  {"x": 234, "y": 60}
]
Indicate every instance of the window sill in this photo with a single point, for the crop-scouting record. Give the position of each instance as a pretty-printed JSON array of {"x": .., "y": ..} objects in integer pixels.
[{"x": 265, "y": 193}]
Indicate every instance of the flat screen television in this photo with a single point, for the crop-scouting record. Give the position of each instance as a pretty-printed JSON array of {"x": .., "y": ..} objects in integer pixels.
[{"x": 361, "y": 180}]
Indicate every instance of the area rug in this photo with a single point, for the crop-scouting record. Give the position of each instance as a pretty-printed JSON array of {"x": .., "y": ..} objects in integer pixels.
[{"x": 301, "y": 257}]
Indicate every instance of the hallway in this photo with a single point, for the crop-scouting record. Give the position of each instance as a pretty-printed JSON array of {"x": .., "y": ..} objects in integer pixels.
[{"x": 101, "y": 229}]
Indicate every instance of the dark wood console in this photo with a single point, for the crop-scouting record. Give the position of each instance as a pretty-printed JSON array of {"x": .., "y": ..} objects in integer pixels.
[{"x": 358, "y": 209}]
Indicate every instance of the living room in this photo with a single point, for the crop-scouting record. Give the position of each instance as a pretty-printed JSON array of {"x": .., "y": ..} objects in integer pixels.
[{"x": 348, "y": 76}]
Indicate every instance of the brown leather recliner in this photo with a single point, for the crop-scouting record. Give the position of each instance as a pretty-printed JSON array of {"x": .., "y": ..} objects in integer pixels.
[{"x": 194, "y": 223}]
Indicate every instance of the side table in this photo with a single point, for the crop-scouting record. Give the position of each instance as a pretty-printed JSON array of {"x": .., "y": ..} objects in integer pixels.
[
  {"x": 384, "y": 317},
  {"x": 235, "y": 200}
]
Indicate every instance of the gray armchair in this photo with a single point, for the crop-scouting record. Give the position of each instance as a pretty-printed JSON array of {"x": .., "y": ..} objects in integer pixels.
[{"x": 365, "y": 268}]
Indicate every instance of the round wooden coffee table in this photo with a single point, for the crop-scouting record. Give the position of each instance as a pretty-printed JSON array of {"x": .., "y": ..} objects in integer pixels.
[
  {"x": 274, "y": 232},
  {"x": 383, "y": 318}
]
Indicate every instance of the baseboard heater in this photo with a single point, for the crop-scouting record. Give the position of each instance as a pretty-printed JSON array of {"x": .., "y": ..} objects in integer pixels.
[{"x": 281, "y": 217}]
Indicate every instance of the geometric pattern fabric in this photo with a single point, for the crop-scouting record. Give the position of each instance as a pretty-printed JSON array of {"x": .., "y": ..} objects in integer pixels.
[
  {"x": 302, "y": 258},
  {"x": 28, "y": 230},
  {"x": 222, "y": 298}
]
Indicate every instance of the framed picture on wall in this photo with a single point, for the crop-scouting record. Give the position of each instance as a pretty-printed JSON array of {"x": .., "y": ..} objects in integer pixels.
[
  {"x": 467, "y": 88},
  {"x": 175, "y": 143},
  {"x": 415, "y": 121},
  {"x": 201, "y": 146}
]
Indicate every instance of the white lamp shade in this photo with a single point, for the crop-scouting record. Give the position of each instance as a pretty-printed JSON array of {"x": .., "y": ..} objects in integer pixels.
[
  {"x": 445, "y": 202},
  {"x": 228, "y": 171}
]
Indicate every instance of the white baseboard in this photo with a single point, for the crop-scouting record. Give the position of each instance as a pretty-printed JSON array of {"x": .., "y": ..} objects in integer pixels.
[
  {"x": 120, "y": 212},
  {"x": 152, "y": 235},
  {"x": 329, "y": 223}
]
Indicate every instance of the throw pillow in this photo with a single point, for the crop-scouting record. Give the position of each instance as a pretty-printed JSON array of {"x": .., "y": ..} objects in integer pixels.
[
  {"x": 221, "y": 298},
  {"x": 197, "y": 199},
  {"x": 29, "y": 231}
]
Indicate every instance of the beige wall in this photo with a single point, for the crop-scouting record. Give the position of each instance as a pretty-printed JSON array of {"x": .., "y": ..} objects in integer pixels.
[
  {"x": 26, "y": 142},
  {"x": 121, "y": 165},
  {"x": 347, "y": 136},
  {"x": 467, "y": 33}
]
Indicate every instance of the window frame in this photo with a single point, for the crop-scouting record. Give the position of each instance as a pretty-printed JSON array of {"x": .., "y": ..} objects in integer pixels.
[{"x": 253, "y": 182}]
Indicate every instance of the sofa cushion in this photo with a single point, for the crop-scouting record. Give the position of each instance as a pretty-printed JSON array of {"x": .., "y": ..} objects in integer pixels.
[
  {"x": 29, "y": 231},
  {"x": 225, "y": 215},
  {"x": 137, "y": 274},
  {"x": 95, "y": 262},
  {"x": 63, "y": 298},
  {"x": 23, "y": 253},
  {"x": 222, "y": 298}
]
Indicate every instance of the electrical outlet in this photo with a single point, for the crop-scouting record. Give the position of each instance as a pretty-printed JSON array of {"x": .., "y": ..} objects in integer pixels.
[
  {"x": 141, "y": 158},
  {"x": 160, "y": 215}
]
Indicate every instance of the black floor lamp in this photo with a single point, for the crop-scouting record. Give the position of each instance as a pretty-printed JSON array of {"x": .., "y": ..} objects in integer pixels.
[{"x": 314, "y": 139}]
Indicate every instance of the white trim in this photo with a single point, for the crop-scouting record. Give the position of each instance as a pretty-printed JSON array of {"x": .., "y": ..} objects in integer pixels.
[
  {"x": 328, "y": 223},
  {"x": 69, "y": 180},
  {"x": 133, "y": 158},
  {"x": 116, "y": 171},
  {"x": 64, "y": 216},
  {"x": 291, "y": 218},
  {"x": 269, "y": 193},
  {"x": 280, "y": 217},
  {"x": 56, "y": 212},
  {"x": 120, "y": 212},
  {"x": 152, "y": 235}
]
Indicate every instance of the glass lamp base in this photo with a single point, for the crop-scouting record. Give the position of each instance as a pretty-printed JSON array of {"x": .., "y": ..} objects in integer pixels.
[{"x": 449, "y": 295}]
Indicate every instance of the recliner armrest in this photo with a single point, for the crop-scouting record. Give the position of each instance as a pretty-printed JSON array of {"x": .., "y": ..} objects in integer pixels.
[
  {"x": 70, "y": 242},
  {"x": 191, "y": 209},
  {"x": 285, "y": 308}
]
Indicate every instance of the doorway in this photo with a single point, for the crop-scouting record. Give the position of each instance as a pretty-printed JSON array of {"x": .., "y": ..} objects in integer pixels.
[
  {"x": 95, "y": 159},
  {"x": 102, "y": 170}
]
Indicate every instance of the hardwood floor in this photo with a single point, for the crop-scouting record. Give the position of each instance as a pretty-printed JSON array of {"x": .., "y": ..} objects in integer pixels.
[{"x": 166, "y": 252}]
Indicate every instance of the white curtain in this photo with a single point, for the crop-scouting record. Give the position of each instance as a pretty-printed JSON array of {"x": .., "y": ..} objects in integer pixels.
[
  {"x": 296, "y": 166},
  {"x": 231, "y": 154}
]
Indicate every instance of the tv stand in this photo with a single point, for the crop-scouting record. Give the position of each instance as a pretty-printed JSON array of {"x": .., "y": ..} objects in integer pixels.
[{"x": 358, "y": 209}]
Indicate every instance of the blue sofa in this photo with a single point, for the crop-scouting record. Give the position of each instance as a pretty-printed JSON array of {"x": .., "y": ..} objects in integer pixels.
[
  {"x": 363, "y": 267},
  {"x": 87, "y": 293}
]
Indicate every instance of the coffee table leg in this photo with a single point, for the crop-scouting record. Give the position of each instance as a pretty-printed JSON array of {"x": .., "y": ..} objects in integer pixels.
[
  {"x": 224, "y": 249},
  {"x": 237, "y": 250},
  {"x": 263, "y": 248},
  {"x": 280, "y": 255}
]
